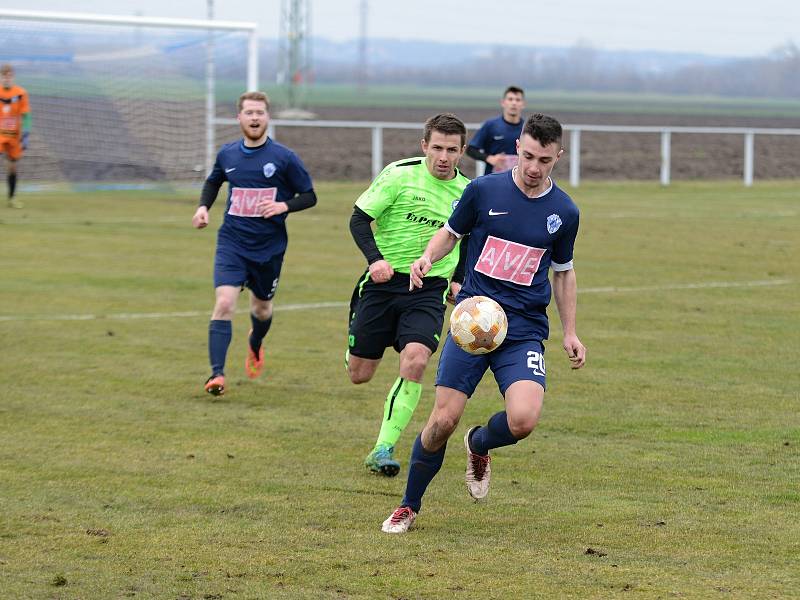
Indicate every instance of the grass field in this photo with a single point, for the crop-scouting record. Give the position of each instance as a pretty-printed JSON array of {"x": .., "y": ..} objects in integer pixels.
[{"x": 667, "y": 468}]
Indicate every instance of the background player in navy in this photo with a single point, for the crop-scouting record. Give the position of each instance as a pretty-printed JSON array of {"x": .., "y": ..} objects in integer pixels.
[
  {"x": 519, "y": 224},
  {"x": 495, "y": 142},
  {"x": 265, "y": 181}
]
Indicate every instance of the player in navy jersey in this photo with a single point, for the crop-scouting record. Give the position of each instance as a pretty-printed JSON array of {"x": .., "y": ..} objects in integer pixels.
[
  {"x": 495, "y": 142},
  {"x": 520, "y": 224},
  {"x": 265, "y": 182}
]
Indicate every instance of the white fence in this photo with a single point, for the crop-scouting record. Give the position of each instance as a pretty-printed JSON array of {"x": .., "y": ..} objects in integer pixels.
[{"x": 575, "y": 131}]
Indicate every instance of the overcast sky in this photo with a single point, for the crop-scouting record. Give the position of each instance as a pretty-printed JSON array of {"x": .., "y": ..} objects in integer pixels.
[{"x": 718, "y": 27}]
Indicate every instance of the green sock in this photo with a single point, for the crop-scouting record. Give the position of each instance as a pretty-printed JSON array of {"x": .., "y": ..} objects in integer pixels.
[{"x": 398, "y": 409}]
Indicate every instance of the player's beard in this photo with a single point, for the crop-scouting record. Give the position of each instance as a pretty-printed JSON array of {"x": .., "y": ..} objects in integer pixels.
[{"x": 254, "y": 134}]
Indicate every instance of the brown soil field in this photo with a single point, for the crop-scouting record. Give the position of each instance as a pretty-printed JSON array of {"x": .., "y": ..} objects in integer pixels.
[{"x": 85, "y": 141}]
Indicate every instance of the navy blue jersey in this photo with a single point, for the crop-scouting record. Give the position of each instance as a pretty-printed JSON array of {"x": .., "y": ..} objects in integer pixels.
[
  {"x": 269, "y": 172},
  {"x": 512, "y": 242},
  {"x": 498, "y": 136}
]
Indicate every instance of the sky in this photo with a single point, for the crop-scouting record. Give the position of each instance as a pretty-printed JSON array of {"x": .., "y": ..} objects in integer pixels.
[{"x": 715, "y": 27}]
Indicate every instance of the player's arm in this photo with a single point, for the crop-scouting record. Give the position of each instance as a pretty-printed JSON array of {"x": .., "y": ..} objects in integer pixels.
[
  {"x": 208, "y": 195},
  {"x": 440, "y": 245},
  {"x": 26, "y": 129},
  {"x": 565, "y": 291},
  {"x": 457, "y": 280},
  {"x": 477, "y": 147},
  {"x": 300, "y": 202},
  {"x": 361, "y": 229}
]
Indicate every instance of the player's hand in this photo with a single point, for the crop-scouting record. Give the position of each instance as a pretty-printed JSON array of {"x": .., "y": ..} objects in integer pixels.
[
  {"x": 419, "y": 268},
  {"x": 575, "y": 351},
  {"x": 496, "y": 159},
  {"x": 381, "y": 271},
  {"x": 200, "y": 218},
  {"x": 455, "y": 288},
  {"x": 25, "y": 135},
  {"x": 270, "y": 208}
]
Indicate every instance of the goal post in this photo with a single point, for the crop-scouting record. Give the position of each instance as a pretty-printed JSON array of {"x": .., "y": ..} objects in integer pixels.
[{"x": 125, "y": 99}]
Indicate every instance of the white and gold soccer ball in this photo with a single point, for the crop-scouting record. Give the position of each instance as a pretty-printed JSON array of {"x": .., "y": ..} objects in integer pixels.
[{"x": 478, "y": 325}]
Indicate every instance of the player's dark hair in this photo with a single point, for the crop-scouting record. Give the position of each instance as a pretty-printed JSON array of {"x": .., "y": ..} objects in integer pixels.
[
  {"x": 257, "y": 96},
  {"x": 512, "y": 89},
  {"x": 545, "y": 130},
  {"x": 446, "y": 123},
  {"x": 6, "y": 68}
]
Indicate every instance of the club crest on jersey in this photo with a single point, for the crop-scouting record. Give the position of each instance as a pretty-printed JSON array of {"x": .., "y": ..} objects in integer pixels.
[
  {"x": 269, "y": 170},
  {"x": 553, "y": 223},
  {"x": 455, "y": 203}
]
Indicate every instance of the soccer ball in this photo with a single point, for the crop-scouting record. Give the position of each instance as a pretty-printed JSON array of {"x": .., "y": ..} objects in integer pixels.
[{"x": 478, "y": 325}]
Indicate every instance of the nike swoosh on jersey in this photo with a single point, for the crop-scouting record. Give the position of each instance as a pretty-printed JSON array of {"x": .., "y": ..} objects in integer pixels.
[
  {"x": 493, "y": 213},
  {"x": 231, "y": 169}
]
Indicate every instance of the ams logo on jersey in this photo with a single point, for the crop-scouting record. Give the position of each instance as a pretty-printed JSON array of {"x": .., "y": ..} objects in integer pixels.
[{"x": 509, "y": 261}]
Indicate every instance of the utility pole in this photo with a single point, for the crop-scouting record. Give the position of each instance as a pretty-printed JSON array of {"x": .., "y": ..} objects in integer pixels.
[
  {"x": 211, "y": 102},
  {"x": 294, "y": 61},
  {"x": 362, "y": 74}
]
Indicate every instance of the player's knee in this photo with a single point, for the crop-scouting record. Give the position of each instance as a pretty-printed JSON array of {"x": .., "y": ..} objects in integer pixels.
[
  {"x": 413, "y": 363},
  {"x": 262, "y": 312},
  {"x": 224, "y": 308},
  {"x": 444, "y": 424},
  {"x": 360, "y": 370},
  {"x": 358, "y": 376},
  {"x": 521, "y": 426}
]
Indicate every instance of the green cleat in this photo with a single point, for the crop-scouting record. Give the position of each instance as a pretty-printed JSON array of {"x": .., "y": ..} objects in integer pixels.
[{"x": 381, "y": 461}]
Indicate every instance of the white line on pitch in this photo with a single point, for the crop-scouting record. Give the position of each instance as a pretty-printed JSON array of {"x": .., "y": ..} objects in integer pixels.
[
  {"x": 684, "y": 286},
  {"x": 162, "y": 315},
  {"x": 322, "y": 305}
]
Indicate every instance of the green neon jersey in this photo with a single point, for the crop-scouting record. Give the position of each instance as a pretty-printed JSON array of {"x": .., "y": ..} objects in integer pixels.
[{"x": 409, "y": 205}]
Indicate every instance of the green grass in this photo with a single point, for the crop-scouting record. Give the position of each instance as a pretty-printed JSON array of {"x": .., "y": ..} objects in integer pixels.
[{"x": 674, "y": 455}]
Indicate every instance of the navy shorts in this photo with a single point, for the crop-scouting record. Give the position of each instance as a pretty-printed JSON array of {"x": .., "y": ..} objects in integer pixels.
[
  {"x": 231, "y": 268},
  {"x": 514, "y": 360},
  {"x": 388, "y": 314}
]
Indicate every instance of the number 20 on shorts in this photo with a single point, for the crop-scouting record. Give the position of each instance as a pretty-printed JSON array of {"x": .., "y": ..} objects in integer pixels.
[{"x": 536, "y": 362}]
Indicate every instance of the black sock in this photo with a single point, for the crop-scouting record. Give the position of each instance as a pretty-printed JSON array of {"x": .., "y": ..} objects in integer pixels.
[
  {"x": 12, "y": 184},
  {"x": 260, "y": 329}
]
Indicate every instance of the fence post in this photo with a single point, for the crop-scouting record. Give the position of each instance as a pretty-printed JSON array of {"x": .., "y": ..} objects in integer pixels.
[
  {"x": 575, "y": 157},
  {"x": 271, "y": 131},
  {"x": 377, "y": 151},
  {"x": 748, "y": 158},
  {"x": 666, "y": 153}
]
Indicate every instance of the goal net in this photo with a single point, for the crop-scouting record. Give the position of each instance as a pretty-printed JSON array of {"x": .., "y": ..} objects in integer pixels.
[{"x": 118, "y": 103}]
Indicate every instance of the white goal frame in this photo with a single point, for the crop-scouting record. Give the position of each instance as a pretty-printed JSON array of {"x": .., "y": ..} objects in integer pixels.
[{"x": 208, "y": 25}]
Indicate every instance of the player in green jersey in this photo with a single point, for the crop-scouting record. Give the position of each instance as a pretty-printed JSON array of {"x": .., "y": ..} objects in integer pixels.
[{"x": 409, "y": 201}]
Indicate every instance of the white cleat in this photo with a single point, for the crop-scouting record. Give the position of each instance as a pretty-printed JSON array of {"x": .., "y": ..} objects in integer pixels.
[
  {"x": 399, "y": 521},
  {"x": 479, "y": 470}
]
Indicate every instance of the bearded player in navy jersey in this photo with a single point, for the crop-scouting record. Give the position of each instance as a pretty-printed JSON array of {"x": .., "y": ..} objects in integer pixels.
[
  {"x": 520, "y": 224},
  {"x": 265, "y": 182}
]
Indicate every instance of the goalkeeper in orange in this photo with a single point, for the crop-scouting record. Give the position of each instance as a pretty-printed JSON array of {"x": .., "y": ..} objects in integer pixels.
[{"x": 15, "y": 125}]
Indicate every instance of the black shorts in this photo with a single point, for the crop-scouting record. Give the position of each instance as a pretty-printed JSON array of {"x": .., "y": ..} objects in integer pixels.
[{"x": 387, "y": 314}]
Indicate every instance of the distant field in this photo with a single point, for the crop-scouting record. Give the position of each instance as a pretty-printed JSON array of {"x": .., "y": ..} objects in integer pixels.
[
  {"x": 557, "y": 101},
  {"x": 668, "y": 467},
  {"x": 186, "y": 89}
]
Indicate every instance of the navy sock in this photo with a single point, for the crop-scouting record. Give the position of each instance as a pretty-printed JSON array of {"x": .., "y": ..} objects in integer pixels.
[
  {"x": 494, "y": 435},
  {"x": 260, "y": 329},
  {"x": 12, "y": 184},
  {"x": 219, "y": 338},
  {"x": 422, "y": 468}
]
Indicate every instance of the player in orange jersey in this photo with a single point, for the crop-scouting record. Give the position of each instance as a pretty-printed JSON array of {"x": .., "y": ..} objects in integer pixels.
[{"x": 15, "y": 124}]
